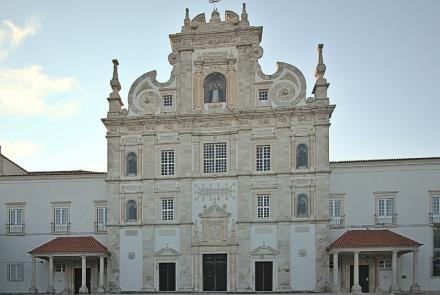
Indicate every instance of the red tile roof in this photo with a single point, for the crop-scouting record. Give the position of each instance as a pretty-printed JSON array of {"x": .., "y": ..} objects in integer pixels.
[
  {"x": 383, "y": 238},
  {"x": 71, "y": 245}
]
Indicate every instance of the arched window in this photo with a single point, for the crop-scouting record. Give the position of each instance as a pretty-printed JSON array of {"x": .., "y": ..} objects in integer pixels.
[
  {"x": 131, "y": 165},
  {"x": 215, "y": 88},
  {"x": 302, "y": 159},
  {"x": 131, "y": 214},
  {"x": 302, "y": 206}
]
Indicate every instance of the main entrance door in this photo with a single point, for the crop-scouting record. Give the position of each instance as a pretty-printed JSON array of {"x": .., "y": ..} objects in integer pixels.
[
  {"x": 364, "y": 280},
  {"x": 77, "y": 279},
  {"x": 263, "y": 276},
  {"x": 167, "y": 277},
  {"x": 214, "y": 272}
]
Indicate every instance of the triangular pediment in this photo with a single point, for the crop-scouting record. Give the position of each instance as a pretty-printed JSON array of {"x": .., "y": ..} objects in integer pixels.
[
  {"x": 214, "y": 211},
  {"x": 167, "y": 251},
  {"x": 264, "y": 250}
]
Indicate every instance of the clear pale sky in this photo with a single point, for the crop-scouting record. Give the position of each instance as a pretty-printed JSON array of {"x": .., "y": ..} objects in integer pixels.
[{"x": 382, "y": 57}]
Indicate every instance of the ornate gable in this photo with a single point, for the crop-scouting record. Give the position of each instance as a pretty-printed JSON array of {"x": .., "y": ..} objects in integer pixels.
[
  {"x": 167, "y": 251},
  {"x": 264, "y": 250}
]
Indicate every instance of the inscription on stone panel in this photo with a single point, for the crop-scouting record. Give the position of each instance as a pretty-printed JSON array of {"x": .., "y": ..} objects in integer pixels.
[
  {"x": 167, "y": 232},
  {"x": 264, "y": 132},
  {"x": 166, "y": 187},
  {"x": 302, "y": 229},
  {"x": 131, "y": 188},
  {"x": 131, "y": 233},
  {"x": 215, "y": 191},
  {"x": 167, "y": 137},
  {"x": 263, "y": 230}
]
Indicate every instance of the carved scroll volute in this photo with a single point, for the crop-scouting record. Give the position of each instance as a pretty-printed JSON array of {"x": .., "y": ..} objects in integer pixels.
[
  {"x": 232, "y": 82},
  {"x": 198, "y": 86}
]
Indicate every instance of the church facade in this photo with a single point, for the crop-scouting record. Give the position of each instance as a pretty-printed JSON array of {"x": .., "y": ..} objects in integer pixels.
[{"x": 219, "y": 180}]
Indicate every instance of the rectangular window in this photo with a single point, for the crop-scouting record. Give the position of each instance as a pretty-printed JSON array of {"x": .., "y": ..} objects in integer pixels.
[
  {"x": 262, "y": 95},
  {"x": 101, "y": 219},
  {"x": 385, "y": 211},
  {"x": 16, "y": 224},
  {"x": 436, "y": 208},
  {"x": 263, "y": 206},
  {"x": 167, "y": 209},
  {"x": 385, "y": 263},
  {"x": 214, "y": 157},
  {"x": 263, "y": 157},
  {"x": 335, "y": 213},
  {"x": 168, "y": 101},
  {"x": 15, "y": 272},
  {"x": 167, "y": 162},
  {"x": 61, "y": 220}
]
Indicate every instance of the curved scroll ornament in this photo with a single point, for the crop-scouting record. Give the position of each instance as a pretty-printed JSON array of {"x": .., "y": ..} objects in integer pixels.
[
  {"x": 147, "y": 101},
  {"x": 286, "y": 92}
]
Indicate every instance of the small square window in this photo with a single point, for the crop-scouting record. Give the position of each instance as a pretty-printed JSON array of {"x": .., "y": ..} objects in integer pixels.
[
  {"x": 60, "y": 268},
  {"x": 262, "y": 95},
  {"x": 168, "y": 101}
]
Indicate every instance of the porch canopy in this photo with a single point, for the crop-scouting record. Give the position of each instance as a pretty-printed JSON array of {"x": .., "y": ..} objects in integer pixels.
[
  {"x": 373, "y": 242},
  {"x": 70, "y": 247}
]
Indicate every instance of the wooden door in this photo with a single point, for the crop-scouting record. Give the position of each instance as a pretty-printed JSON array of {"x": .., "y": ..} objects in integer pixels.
[
  {"x": 167, "y": 277},
  {"x": 263, "y": 275},
  {"x": 214, "y": 272}
]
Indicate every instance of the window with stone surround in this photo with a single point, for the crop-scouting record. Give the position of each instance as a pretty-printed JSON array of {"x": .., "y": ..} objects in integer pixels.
[
  {"x": 385, "y": 213},
  {"x": 168, "y": 101},
  {"x": 131, "y": 164},
  {"x": 435, "y": 207},
  {"x": 302, "y": 158},
  {"x": 335, "y": 207},
  {"x": 16, "y": 221},
  {"x": 385, "y": 263},
  {"x": 263, "y": 95},
  {"x": 131, "y": 211},
  {"x": 262, "y": 158},
  {"x": 61, "y": 222},
  {"x": 302, "y": 205},
  {"x": 167, "y": 162},
  {"x": 214, "y": 157},
  {"x": 167, "y": 209},
  {"x": 101, "y": 219},
  {"x": 263, "y": 206}
]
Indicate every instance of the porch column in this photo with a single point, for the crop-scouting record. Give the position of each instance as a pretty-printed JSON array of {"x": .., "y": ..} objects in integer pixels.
[
  {"x": 395, "y": 285},
  {"x": 101, "y": 275},
  {"x": 415, "y": 285},
  {"x": 356, "y": 288},
  {"x": 83, "y": 289},
  {"x": 336, "y": 288},
  {"x": 51, "y": 289},
  {"x": 33, "y": 289}
]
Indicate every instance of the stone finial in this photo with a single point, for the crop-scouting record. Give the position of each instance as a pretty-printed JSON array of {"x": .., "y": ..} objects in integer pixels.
[
  {"x": 244, "y": 15},
  {"x": 320, "y": 68},
  {"x": 186, "y": 22},
  {"x": 215, "y": 16},
  {"x": 114, "y": 82}
]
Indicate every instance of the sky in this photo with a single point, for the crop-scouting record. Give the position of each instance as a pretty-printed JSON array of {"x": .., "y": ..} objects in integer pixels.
[{"x": 382, "y": 57}]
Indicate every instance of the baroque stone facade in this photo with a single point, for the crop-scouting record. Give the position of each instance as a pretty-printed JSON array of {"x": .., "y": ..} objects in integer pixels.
[{"x": 221, "y": 167}]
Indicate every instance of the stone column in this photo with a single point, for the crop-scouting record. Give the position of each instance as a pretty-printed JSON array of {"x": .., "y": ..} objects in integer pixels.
[
  {"x": 336, "y": 288},
  {"x": 51, "y": 289},
  {"x": 415, "y": 285},
  {"x": 356, "y": 288},
  {"x": 83, "y": 289},
  {"x": 394, "y": 286},
  {"x": 101, "y": 275},
  {"x": 33, "y": 289}
]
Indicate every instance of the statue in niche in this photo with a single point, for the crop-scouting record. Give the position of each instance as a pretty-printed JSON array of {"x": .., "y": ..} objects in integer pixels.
[{"x": 215, "y": 88}]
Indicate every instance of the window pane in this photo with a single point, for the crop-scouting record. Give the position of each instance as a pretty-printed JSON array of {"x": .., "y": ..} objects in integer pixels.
[
  {"x": 263, "y": 206},
  {"x": 263, "y": 158},
  {"x": 215, "y": 158}
]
